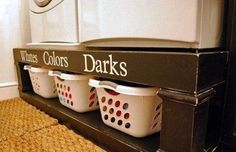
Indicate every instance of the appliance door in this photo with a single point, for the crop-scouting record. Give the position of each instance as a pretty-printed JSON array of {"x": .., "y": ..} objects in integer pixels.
[
  {"x": 174, "y": 20},
  {"x": 55, "y": 25}
]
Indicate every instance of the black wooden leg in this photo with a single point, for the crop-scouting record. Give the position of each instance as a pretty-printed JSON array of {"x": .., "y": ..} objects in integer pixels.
[
  {"x": 23, "y": 78},
  {"x": 184, "y": 121}
]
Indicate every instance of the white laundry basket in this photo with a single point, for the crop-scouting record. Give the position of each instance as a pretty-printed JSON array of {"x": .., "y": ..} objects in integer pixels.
[
  {"x": 42, "y": 84},
  {"x": 74, "y": 91},
  {"x": 133, "y": 110}
]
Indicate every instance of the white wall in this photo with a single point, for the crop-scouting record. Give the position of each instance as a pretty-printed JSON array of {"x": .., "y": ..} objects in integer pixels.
[{"x": 14, "y": 32}]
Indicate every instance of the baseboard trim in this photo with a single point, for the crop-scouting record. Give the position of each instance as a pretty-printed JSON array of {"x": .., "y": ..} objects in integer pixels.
[
  {"x": 8, "y": 90},
  {"x": 8, "y": 84}
]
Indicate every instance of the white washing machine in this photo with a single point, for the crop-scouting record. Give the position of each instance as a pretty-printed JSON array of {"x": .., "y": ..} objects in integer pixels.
[
  {"x": 54, "y": 22},
  {"x": 151, "y": 23}
]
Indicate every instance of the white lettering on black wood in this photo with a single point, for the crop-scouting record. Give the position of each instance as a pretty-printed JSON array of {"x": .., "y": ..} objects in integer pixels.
[
  {"x": 109, "y": 66},
  {"x": 28, "y": 57},
  {"x": 50, "y": 58}
]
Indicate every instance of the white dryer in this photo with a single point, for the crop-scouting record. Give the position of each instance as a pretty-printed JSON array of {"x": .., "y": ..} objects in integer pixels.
[
  {"x": 54, "y": 21},
  {"x": 151, "y": 23}
]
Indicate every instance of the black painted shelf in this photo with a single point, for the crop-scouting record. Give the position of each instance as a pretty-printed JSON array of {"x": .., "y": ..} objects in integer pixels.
[{"x": 183, "y": 77}]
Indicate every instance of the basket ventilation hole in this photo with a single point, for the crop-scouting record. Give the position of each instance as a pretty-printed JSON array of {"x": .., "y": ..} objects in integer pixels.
[
  {"x": 62, "y": 93},
  {"x": 125, "y": 106},
  {"x": 120, "y": 122},
  {"x": 70, "y": 96},
  {"x": 92, "y": 89},
  {"x": 66, "y": 94},
  {"x": 117, "y": 104},
  {"x": 154, "y": 125},
  {"x": 110, "y": 101},
  {"x": 57, "y": 85},
  {"x": 118, "y": 113},
  {"x": 106, "y": 117},
  {"x": 158, "y": 107},
  {"x": 103, "y": 99},
  {"x": 68, "y": 101},
  {"x": 91, "y": 104},
  {"x": 104, "y": 108},
  {"x": 113, "y": 119},
  {"x": 72, "y": 103},
  {"x": 61, "y": 86},
  {"x": 65, "y": 87},
  {"x": 111, "y": 111},
  {"x": 68, "y": 89},
  {"x": 156, "y": 116},
  {"x": 59, "y": 91},
  {"x": 126, "y": 116},
  {"x": 127, "y": 125},
  {"x": 92, "y": 96}
]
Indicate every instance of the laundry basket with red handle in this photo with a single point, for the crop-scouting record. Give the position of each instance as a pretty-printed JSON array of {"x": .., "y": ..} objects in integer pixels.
[
  {"x": 133, "y": 110},
  {"x": 74, "y": 92}
]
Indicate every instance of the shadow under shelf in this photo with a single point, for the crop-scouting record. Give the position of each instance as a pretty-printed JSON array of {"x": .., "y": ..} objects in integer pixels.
[{"x": 90, "y": 125}]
